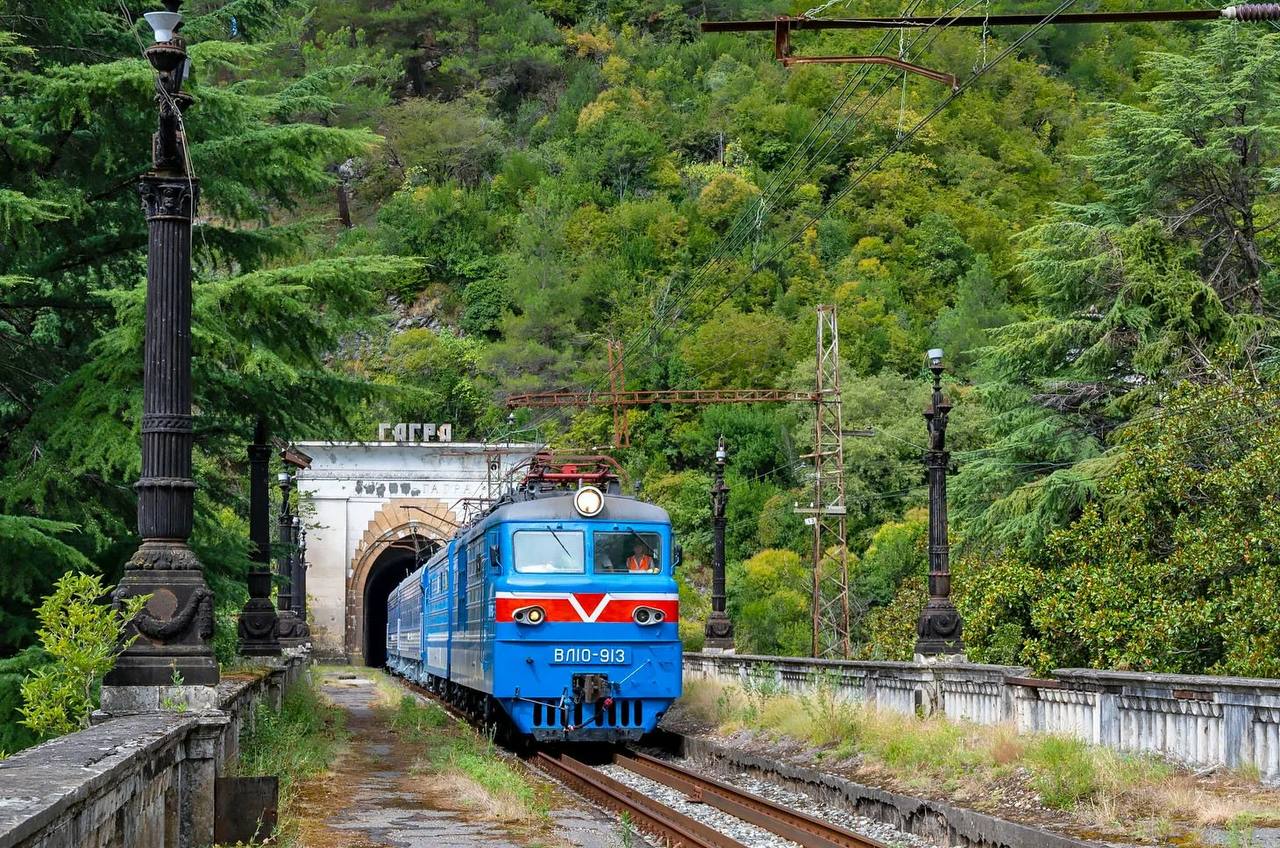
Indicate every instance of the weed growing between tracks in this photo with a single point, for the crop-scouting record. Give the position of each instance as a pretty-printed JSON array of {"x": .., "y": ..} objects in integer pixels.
[
  {"x": 296, "y": 742},
  {"x": 1046, "y": 779},
  {"x": 466, "y": 765}
]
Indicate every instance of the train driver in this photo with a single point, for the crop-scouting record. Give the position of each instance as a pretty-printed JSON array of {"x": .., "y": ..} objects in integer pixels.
[{"x": 640, "y": 560}]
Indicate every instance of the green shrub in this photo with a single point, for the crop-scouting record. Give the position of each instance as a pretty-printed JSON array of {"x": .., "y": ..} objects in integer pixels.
[{"x": 83, "y": 637}]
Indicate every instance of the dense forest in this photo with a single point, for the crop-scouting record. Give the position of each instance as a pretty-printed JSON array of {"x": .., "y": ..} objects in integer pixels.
[{"x": 414, "y": 208}]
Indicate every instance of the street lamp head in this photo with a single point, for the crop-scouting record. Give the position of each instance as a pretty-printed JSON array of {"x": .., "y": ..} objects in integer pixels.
[
  {"x": 721, "y": 454},
  {"x": 935, "y": 358},
  {"x": 283, "y": 478},
  {"x": 164, "y": 24}
]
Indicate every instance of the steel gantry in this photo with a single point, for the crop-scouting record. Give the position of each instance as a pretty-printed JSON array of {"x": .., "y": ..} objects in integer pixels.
[{"x": 620, "y": 401}]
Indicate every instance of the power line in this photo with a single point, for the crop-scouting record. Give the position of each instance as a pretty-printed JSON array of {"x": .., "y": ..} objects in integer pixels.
[
  {"x": 739, "y": 232},
  {"x": 1243, "y": 12},
  {"x": 780, "y": 182}
]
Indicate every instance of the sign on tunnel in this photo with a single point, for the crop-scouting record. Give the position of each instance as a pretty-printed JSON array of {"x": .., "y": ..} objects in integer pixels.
[{"x": 415, "y": 432}]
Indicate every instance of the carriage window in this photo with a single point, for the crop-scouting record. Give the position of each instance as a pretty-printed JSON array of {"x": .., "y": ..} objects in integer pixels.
[
  {"x": 628, "y": 552},
  {"x": 545, "y": 552}
]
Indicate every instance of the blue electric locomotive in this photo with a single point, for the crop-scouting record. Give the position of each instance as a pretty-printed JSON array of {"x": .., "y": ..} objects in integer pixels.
[{"x": 557, "y": 607}]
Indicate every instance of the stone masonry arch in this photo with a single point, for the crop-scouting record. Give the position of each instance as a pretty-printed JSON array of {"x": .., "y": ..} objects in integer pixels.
[{"x": 399, "y": 521}]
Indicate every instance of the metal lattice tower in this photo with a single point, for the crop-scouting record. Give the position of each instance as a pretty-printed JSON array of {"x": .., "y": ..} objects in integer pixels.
[
  {"x": 830, "y": 601},
  {"x": 617, "y": 383}
]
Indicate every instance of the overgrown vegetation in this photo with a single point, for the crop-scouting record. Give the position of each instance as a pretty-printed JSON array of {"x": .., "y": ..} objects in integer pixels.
[
  {"x": 295, "y": 743},
  {"x": 987, "y": 767},
  {"x": 466, "y": 765}
]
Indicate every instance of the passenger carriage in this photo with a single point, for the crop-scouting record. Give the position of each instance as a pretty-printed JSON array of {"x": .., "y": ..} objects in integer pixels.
[{"x": 556, "y": 608}]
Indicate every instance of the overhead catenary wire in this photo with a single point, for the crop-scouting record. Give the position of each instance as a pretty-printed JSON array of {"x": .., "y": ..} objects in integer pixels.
[
  {"x": 1242, "y": 12},
  {"x": 801, "y": 159},
  {"x": 896, "y": 145},
  {"x": 805, "y": 156},
  {"x": 1246, "y": 12},
  {"x": 728, "y": 245},
  {"x": 782, "y": 181}
]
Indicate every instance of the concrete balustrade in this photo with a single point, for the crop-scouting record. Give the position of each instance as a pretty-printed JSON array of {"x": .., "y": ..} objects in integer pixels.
[
  {"x": 134, "y": 781},
  {"x": 1196, "y": 720}
]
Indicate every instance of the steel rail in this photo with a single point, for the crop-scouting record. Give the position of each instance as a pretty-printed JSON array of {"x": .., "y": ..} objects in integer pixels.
[
  {"x": 648, "y": 815},
  {"x": 655, "y": 396},
  {"x": 801, "y": 828},
  {"x": 1019, "y": 19}
]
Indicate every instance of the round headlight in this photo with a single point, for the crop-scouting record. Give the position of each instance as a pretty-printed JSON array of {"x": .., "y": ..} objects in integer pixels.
[
  {"x": 529, "y": 615},
  {"x": 589, "y": 501}
]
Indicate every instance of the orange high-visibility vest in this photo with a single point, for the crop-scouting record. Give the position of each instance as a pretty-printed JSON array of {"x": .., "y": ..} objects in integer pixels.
[{"x": 644, "y": 562}]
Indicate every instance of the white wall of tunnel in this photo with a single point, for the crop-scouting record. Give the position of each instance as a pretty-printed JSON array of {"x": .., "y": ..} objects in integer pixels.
[{"x": 362, "y": 499}]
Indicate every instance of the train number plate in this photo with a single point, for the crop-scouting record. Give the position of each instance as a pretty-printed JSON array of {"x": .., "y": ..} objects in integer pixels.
[{"x": 583, "y": 656}]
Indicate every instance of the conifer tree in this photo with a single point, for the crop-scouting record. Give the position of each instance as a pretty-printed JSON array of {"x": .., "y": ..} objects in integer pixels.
[
  {"x": 1161, "y": 279},
  {"x": 76, "y": 117}
]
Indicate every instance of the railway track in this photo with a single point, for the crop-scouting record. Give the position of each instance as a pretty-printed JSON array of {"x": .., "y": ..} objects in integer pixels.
[
  {"x": 671, "y": 826},
  {"x": 678, "y": 829},
  {"x": 645, "y": 814}
]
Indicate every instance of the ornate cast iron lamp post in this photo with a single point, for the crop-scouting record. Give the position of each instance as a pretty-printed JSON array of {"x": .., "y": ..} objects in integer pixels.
[
  {"x": 174, "y": 630},
  {"x": 295, "y": 575},
  {"x": 939, "y": 629},
  {"x": 719, "y": 629},
  {"x": 288, "y": 628},
  {"x": 258, "y": 620},
  {"x": 300, "y": 579},
  {"x": 288, "y": 619}
]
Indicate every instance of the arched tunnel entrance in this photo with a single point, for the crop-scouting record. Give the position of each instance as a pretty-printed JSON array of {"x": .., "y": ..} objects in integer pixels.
[{"x": 392, "y": 565}]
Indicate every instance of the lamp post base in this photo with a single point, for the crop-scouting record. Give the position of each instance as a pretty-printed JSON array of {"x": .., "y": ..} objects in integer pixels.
[
  {"x": 173, "y": 630},
  {"x": 292, "y": 631},
  {"x": 257, "y": 629},
  {"x": 940, "y": 630},
  {"x": 719, "y": 635}
]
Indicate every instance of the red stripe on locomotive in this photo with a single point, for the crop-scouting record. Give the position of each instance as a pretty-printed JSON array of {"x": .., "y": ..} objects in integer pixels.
[{"x": 562, "y": 610}]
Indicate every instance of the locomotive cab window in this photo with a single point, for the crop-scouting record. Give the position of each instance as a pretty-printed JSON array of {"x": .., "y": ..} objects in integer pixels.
[
  {"x": 628, "y": 552},
  {"x": 549, "y": 552}
]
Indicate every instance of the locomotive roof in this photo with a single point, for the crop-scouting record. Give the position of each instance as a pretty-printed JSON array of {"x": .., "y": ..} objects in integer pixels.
[{"x": 549, "y": 508}]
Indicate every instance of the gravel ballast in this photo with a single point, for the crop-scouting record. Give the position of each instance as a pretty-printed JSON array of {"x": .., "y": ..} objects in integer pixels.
[{"x": 751, "y": 835}]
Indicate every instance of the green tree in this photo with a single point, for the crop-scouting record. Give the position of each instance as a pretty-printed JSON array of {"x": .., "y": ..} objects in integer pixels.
[
  {"x": 1171, "y": 569},
  {"x": 33, "y": 554},
  {"x": 738, "y": 350},
  {"x": 768, "y": 600},
  {"x": 445, "y": 142},
  {"x": 1161, "y": 278}
]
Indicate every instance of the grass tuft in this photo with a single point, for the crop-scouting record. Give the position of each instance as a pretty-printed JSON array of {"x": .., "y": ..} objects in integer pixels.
[
  {"x": 296, "y": 742},
  {"x": 467, "y": 765},
  {"x": 1065, "y": 771}
]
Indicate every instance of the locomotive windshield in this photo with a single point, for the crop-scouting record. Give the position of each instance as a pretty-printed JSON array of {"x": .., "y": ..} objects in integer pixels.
[
  {"x": 549, "y": 552},
  {"x": 628, "y": 552}
]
